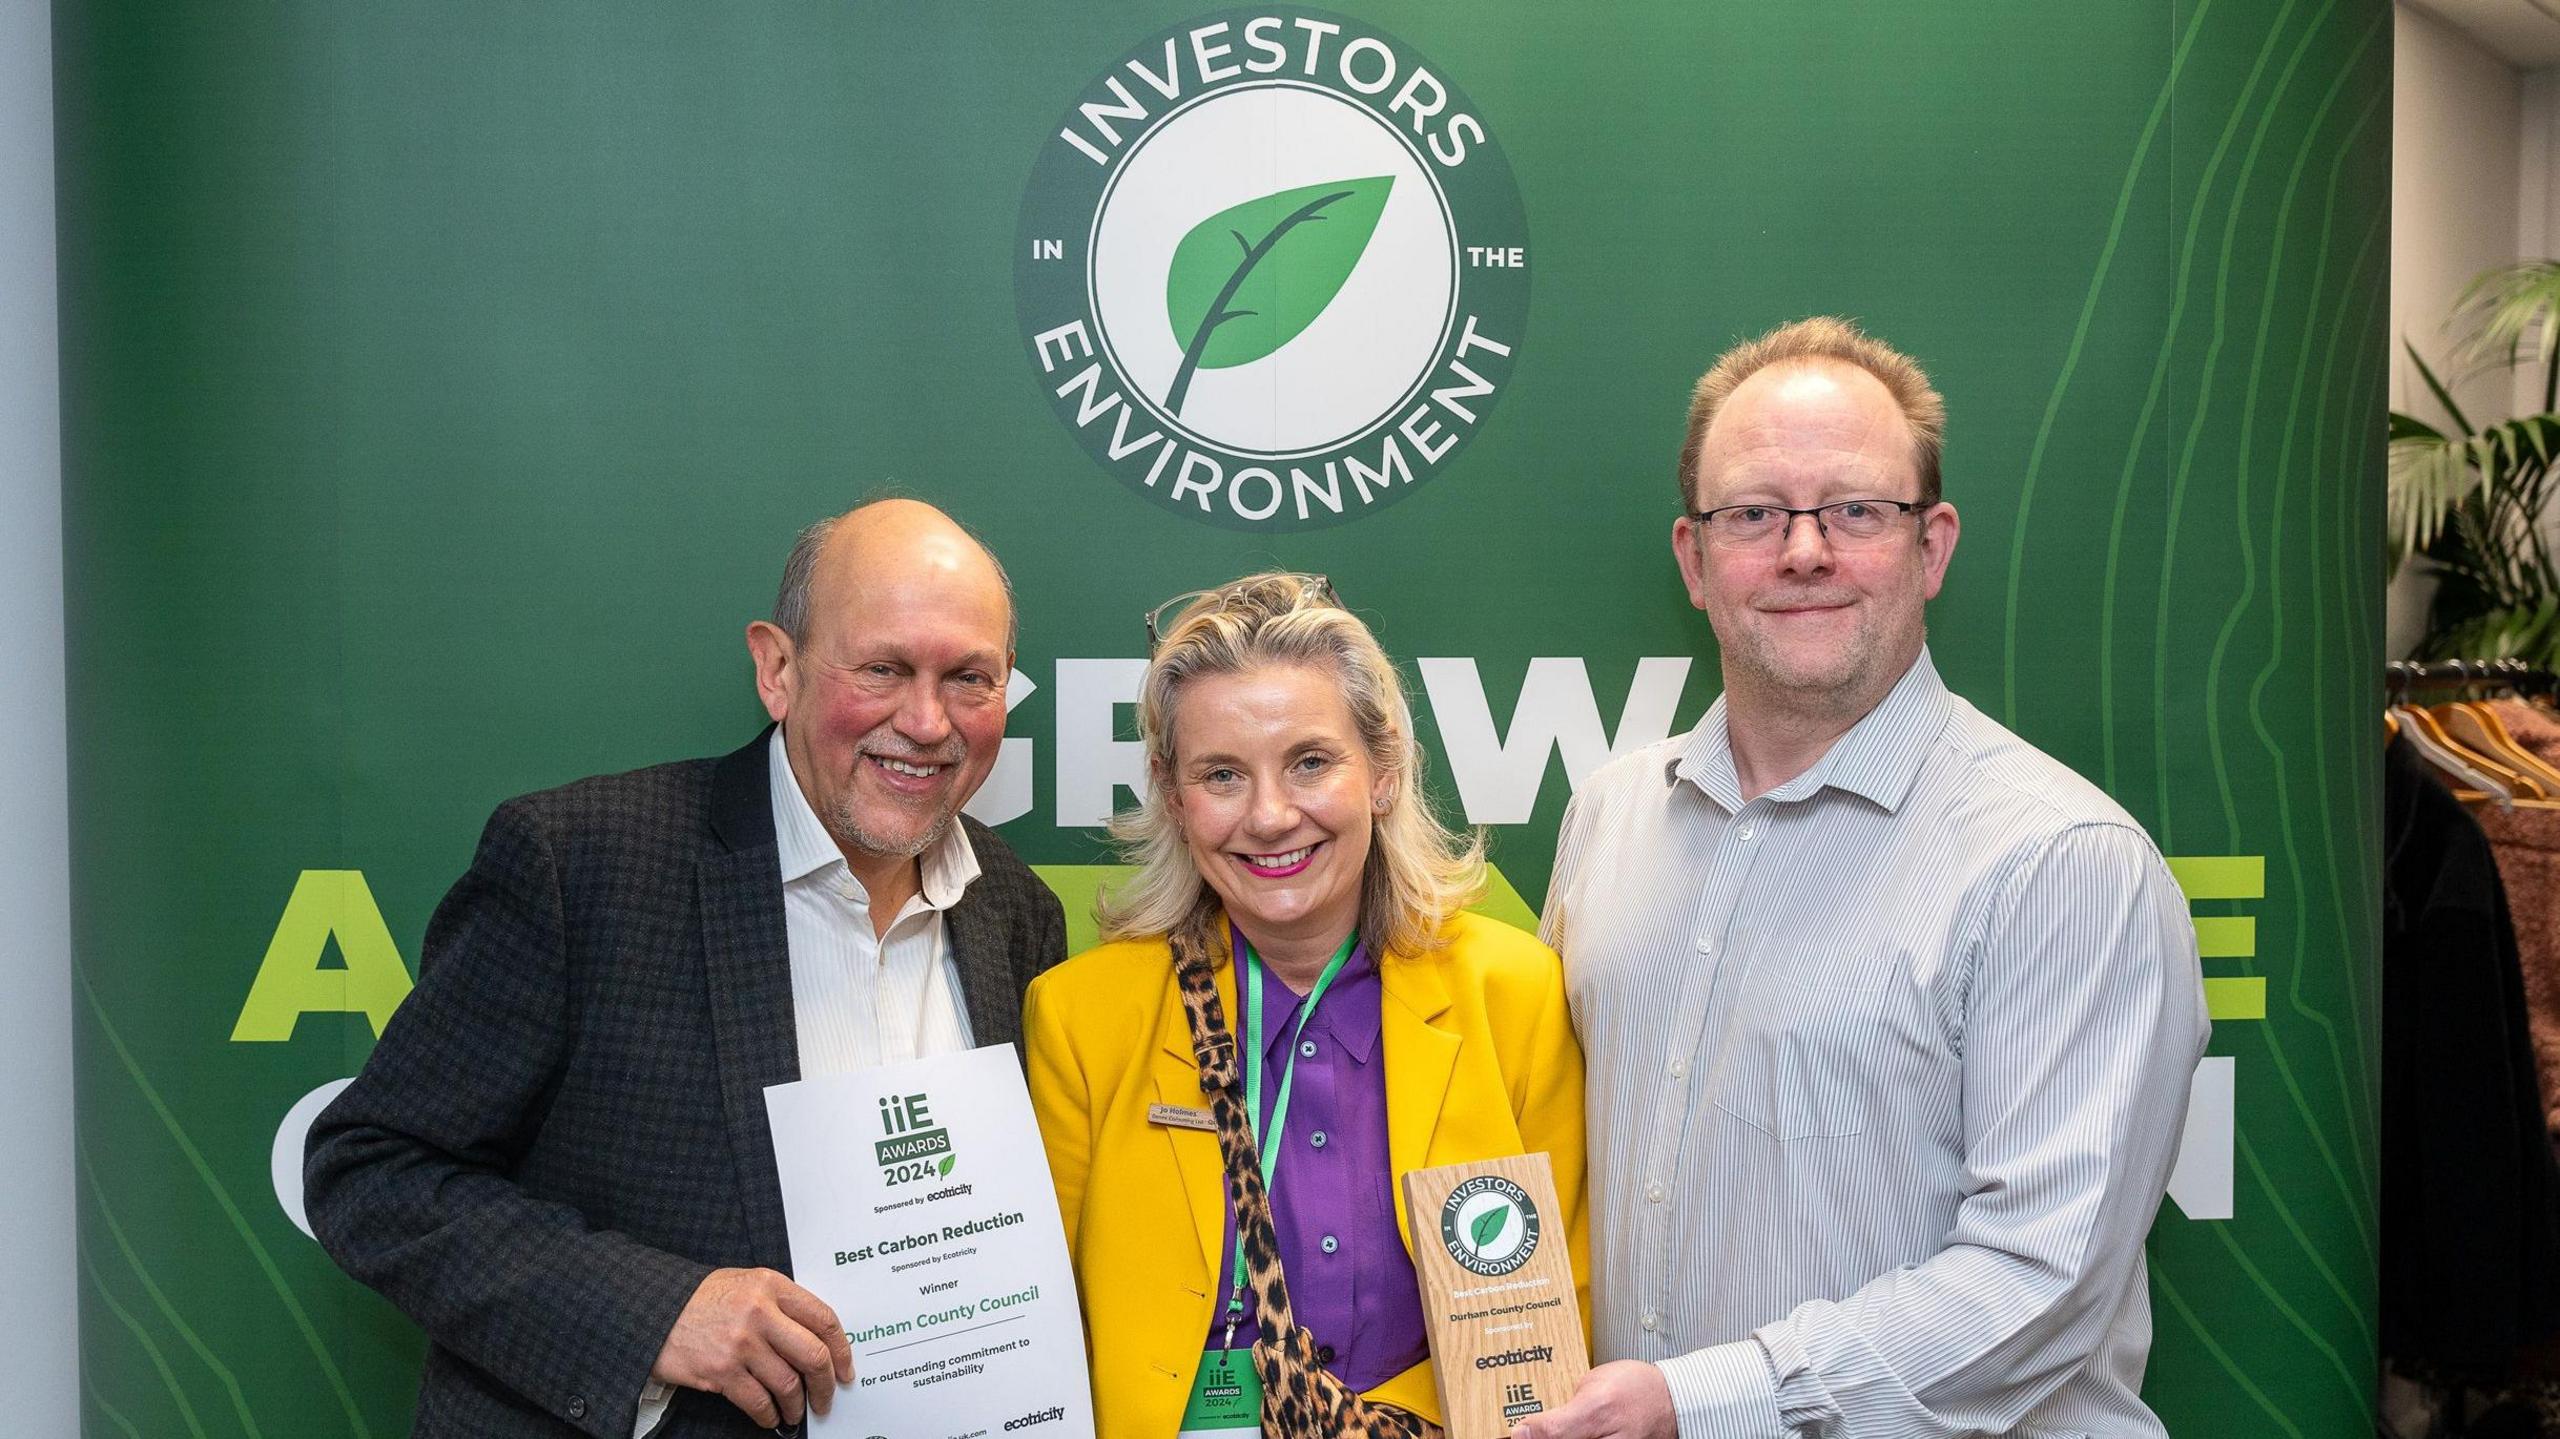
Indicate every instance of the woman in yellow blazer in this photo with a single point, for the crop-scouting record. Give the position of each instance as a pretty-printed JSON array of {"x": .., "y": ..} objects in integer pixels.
[{"x": 1284, "y": 828}]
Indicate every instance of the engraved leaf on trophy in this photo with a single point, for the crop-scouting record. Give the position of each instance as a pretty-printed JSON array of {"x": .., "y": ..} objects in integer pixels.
[
  {"x": 944, "y": 1169},
  {"x": 1488, "y": 1226},
  {"x": 1250, "y": 278}
]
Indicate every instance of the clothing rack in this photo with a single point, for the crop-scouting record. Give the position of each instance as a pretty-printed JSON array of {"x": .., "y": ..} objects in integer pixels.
[
  {"x": 2401, "y": 676},
  {"x": 2467, "y": 745}
]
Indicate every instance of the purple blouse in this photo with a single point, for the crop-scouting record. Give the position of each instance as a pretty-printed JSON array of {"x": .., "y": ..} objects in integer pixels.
[{"x": 1350, "y": 1281}]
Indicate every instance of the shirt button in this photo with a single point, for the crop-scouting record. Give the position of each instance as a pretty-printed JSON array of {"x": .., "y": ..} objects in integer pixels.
[
  {"x": 577, "y": 1406},
  {"x": 1653, "y": 1192},
  {"x": 1706, "y": 946},
  {"x": 1317, "y": 1139},
  {"x": 1742, "y": 831},
  {"x": 1306, "y": 1049},
  {"x": 1647, "y": 1321},
  {"x": 1679, "y": 1069},
  {"x": 1331, "y": 1244}
]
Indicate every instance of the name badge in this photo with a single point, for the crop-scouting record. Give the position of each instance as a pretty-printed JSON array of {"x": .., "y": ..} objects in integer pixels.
[
  {"x": 1182, "y": 1116},
  {"x": 1226, "y": 1397}
]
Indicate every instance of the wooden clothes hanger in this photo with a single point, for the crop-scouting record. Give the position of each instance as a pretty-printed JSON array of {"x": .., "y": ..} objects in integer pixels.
[
  {"x": 2465, "y": 735},
  {"x": 2477, "y": 727},
  {"x": 2487, "y": 779}
]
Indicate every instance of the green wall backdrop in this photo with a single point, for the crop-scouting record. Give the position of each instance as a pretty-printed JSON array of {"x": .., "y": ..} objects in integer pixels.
[{"x": 443, "y": 384}]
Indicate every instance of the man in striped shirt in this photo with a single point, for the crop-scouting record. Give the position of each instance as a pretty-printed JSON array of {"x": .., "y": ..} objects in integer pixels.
[{"x": 1890, "y": 1017}]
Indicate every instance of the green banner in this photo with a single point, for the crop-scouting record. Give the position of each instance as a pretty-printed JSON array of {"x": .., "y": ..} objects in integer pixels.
[{"x": 443, "y": 385}]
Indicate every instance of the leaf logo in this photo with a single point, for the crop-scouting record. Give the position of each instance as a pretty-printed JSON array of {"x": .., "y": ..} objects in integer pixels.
[
  {"x": 944, "y": 1170},
  {"x": 1273, "y": 294},
  {"x": 1489, "y": 1225},
  {"x": 1250, "y": 278}
]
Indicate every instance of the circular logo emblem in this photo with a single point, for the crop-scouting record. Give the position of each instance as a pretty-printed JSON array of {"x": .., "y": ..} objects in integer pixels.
[
  {"x": 1489, "y": 1226},
  {"x": 1272, "y": 269}
]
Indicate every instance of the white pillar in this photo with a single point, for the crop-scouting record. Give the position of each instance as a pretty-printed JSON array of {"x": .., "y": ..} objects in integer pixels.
[{"x": 39, "y": 1363}]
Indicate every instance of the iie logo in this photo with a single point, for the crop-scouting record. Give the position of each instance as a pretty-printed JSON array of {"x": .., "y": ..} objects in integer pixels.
[{"x": 909, "y": 1153}]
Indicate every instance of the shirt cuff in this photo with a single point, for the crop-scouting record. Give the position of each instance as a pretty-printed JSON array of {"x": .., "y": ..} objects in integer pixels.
[
  {"x": 654, "y": 1399},
  {"x": 1727, "y": 1391}
]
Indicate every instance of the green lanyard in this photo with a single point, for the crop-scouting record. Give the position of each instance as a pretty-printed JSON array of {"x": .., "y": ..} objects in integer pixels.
[{"x": 1252, "y": 1059}]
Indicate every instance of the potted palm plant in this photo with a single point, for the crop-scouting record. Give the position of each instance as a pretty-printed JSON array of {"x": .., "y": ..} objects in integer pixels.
[{"x": 2471, "y": 499}]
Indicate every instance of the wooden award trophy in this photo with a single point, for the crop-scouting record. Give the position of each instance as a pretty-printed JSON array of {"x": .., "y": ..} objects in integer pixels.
[{"x": 1497, "y": 1291}]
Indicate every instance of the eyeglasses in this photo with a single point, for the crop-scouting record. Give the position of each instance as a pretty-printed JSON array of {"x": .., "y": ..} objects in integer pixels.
[
  {"x": 1846, "y": 523},
  {"x": 1164, "y": 617}
]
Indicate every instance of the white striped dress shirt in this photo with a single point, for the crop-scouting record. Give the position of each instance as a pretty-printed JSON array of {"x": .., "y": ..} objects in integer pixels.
[{"x": 1886, "y": 1074}]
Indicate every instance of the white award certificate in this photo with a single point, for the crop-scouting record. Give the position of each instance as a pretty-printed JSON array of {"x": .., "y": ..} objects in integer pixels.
[{"x": 919, "y": 1206}]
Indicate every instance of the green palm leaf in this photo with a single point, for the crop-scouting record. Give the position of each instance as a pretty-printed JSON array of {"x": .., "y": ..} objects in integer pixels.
[
  {"x": 2509, "y": 313},
  {"x": 2437, "y": 388},
  {"x": 2431, "y": 473}
]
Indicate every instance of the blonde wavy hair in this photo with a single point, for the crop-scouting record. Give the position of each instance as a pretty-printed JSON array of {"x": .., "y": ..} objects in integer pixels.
[{"x": 1419, "y": 871}]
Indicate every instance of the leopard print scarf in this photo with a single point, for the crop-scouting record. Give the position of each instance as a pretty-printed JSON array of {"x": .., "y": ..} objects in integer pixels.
[{"x": 1301, "y": 1399}]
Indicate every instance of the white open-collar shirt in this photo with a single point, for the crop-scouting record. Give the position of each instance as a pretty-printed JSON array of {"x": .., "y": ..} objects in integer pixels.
[{"x": 860, "y": 997}]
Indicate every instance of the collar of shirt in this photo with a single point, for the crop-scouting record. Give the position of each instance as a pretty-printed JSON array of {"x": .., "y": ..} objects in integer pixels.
[
  {"x": 808, "y": 849},
  {"x": 1879, "y": 758},
  {"x": 1349, "y": 1014}
]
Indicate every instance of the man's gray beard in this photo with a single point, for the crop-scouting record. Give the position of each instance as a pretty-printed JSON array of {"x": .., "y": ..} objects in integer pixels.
[{"x": 851, "y": 835}]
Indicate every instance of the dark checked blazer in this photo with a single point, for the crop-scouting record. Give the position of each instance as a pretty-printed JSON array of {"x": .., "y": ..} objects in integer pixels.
[{"x": 563, "y": 1128}]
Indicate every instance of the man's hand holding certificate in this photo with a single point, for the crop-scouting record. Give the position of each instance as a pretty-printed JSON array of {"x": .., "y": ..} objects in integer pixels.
[{"x": 920, "y": 1209}]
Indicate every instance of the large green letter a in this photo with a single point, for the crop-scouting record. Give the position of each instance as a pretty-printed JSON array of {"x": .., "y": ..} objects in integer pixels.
[{"x": 291, "y": 983}]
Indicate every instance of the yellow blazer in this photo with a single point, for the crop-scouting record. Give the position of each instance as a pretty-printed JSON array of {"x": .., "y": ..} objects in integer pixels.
[{"x": 1481, "y": 1062}]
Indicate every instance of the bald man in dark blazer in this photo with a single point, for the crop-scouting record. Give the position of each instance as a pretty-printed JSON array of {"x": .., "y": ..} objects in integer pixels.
[{"x": 557, "y": 1160}]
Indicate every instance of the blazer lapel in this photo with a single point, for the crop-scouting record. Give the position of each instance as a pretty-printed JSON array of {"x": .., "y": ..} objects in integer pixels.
[
  {"x": 746, "y": 952},
  {"x": 1420, "y": 1057},
  {"x": 1197, "y": 1157}
]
